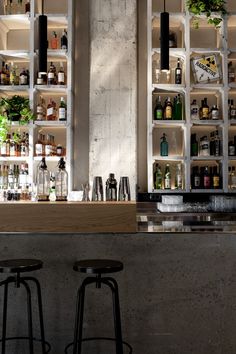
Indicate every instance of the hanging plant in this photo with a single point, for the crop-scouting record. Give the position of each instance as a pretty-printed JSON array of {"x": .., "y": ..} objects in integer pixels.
[
  {"x": 14, "y": 109},
  {"x": 214, "y": 10}
]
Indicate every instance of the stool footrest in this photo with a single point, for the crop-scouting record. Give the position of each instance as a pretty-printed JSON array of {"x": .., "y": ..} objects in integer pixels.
[
  {"x": 100, "y": 338},
  {"x": 27, "y": 338}
]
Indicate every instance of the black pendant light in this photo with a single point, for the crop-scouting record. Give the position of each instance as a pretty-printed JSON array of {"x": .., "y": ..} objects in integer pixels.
[
  {"x": 43, "y": 40},
  {"x": 164, "y": 39}
]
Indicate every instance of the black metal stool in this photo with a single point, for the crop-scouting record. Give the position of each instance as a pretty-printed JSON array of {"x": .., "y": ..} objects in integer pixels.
[
  {"x": 98, "y": 267},
  {"x": 19, "y": 266}
]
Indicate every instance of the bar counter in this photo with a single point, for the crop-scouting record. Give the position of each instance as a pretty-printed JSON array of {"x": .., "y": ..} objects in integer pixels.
[{"x": 68, "y": 217}]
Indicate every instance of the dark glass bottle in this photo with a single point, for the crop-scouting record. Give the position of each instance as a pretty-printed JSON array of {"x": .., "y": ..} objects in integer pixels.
[
  {"x": 178, "y": 73},
  {"x": 194, "y": 145},
  {"x": 205, "y": 109},
  {"x": 177, "y": 109},
  {"x": 215, "y": 178},
  {"x": 64, "y": 41},
  {"x": 206, "y": 178}
]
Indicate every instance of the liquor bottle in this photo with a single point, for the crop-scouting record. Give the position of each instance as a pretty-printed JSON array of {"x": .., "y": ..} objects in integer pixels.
[
  {"x": 10, "y": 177},
  {"x": 59, "y": 150},
  {"x": 215, "y": 178},
  {"x": 178, "y": 177},
  {"x": 3, "y": 74},
  {"x": 61, "y": 180},
  {"x": 204, "y": 149},
  {"x": 43, "y": 181},
  {"x": 178, "y": 73},
  {"x": 167, "y": 177},
  {"x": 19, "y": 7},
  {"x": 39, "y": 146},
  {"x": 214, "y": 112},
  {"x": 158, "y": 110},
  {"x": 168, "y": 109},
  {"x": 111, "y": 187},
  {"x": 231, "y": 148},
  {"x": 48, "y": 145},
  {"x": 24, "y": 79},
  {"x": 5, "y": 177},
  {"x": 64, "y": 41},
  {"x": 177, "y": 109},
  {"x": 8, "y": 144},
  {"x": 40, "y": 109},
  {"x": 158, "y": 178},
  {"x": 164, "y": 146},
  {"x": 194, "y": 145},
  {"x": 205, "y": 109},
  {"x": 51, "y": 75},
  {"x": 12, "y": 151},
  {"x": 212, "y": 143},
  {"x": 233, "y": 178},
  {"x": 206, "y": 178},
  {"x": 16, "y": 176},
  {"x": 194, "y": 110},
  {"x": 217, "y": 144},
  {"x": 229, "y": 177},
  {"x": 7, "y": 73},
  {"x": 61, "y": 75},
  {"x": 232, "y": 110},
  {"x": 14, "y": 79},
  {"x": 195, "y": 178},
  {"x": 51, "y": 110},
  {"x": 4, "y": 148},
  {"x": 54, "y": 41},
  {"x": 231, "y": 72},
  {"x": 62, "y": 110},
  {"x": 27, "y": 7}
]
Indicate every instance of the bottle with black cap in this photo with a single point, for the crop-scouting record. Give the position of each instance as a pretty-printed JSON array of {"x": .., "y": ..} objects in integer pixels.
[{"x": 61, "y": 181}]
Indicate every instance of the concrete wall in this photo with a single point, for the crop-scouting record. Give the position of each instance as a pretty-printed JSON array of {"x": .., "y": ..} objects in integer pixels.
[{"x": 177, "y": 292}]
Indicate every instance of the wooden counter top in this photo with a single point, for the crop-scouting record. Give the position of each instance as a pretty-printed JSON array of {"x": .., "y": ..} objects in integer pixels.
[{"x": 71, "y": 217}]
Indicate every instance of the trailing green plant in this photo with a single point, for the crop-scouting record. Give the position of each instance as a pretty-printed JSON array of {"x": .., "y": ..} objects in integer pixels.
[
  {"x": 208, "y": 8},
  {"x": 14, "y": 109}
]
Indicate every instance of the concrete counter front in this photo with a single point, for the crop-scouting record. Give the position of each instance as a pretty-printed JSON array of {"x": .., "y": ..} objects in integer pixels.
[{"x": 64, "y": 217}]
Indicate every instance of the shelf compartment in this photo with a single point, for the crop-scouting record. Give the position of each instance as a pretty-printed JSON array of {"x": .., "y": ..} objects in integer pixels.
[
  {"x": 175, "y": 139},
  {"x": 15, "y": 55},
  {"x": 15, "y": 22}
]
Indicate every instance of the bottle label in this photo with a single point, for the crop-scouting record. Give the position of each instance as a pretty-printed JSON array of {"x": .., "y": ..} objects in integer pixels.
[
  {"x": 205, "y": 112},
  {"x": 12, "y": 150},
  {"x": 216, "y": 181},
  {"x": 50, "y": 75},
  {"x": 3, "y": 149},
  {"x": 62, "y": 113},
  {"x": 232, "y": 113},
  {"x": 158, "y": 114},
  {"x": 207, "y": 182},
  {"x": 194, "y": 113},
  {"x": 61, "y": 78},
  {"x": 215, "y": 114},
  {"x": 179, "y": 181},
  {"x": 197, "y": 181},
  {"x": 50, "y": 111},
  {"x": 231, "y": 150},
  {"x": 23, "y": 80},
  {"x": 167, "y": 183},
  {"x": 168, "y": 111},
  {"x": 38, "y": 149},
  {"x": 48, "y": 150}
]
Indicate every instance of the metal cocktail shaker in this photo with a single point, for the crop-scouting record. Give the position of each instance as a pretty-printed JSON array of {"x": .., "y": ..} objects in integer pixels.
[{"x": 111, "y": 188}]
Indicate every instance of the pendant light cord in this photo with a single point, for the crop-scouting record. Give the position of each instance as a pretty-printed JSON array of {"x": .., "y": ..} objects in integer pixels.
[
  {"x": 43, "y": 7},
  {"x": 164, "y": 5}
]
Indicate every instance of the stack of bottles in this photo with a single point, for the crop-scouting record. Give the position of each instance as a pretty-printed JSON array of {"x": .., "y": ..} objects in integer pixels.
[
  {"x": 162, "y": 178},
  {"x": 169, "y": 110},
  {"x": 54, "y": 42},
  {"x": 12, "y": 7},
  {"x": 15, "y": 145},
  {"x": 205, "y": 177},
  {"x": 204, "y": 112},
  {"x": 49, "y": 110},
  {"x": 46, "y": 146},
  {"x": 11, "y": 75},
  {"x": 14, "y": 184},
  {"x": 205, "y": 146},
  {"x": 52, "y": 77}
]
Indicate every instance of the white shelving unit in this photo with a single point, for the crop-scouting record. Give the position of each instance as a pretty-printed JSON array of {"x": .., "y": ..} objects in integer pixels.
[
  {"x": 190, "y": 42},
  {"x": 18, "y": 44}
]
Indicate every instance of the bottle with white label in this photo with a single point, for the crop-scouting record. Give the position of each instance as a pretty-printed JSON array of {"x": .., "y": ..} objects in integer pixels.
[
  {"x": 194, "y": 109},
  {"x": 62, "y": 111},
  {"x": 61, "y": 75}
]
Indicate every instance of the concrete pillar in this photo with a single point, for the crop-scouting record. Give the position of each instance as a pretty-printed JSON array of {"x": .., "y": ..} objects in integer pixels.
[{"x": 113, "y": 89}]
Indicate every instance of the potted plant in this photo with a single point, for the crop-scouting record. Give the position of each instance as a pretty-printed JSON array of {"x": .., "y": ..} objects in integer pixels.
[
  {"x": 14, "y": 109},
  {"x": 213, "y": 9}
]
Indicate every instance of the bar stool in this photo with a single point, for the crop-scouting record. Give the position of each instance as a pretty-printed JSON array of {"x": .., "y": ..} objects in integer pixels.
[
  {"x": 18, "y": 266},
  {"x": 97, "y": 267}
]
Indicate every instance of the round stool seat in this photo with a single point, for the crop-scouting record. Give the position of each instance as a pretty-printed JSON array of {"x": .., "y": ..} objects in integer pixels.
[
  {"x": 98, "y": 266},
  {"x": 20, "y": 265}
]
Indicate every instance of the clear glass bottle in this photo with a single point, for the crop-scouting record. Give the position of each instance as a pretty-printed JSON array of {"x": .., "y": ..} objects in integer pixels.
[
  {"x": 178, "y": 177},
  {"x": 167, "y": 177},
  {"x": 158, "y": 110},
  {"x": 111, "y": 188},
  {"x": 61, "y": 181},
  {"x": 43, "y": 181},
  {"x": 158, "y": 178},
  {"x": 61, "y": 75},
  {"x": 194, "y": 110}
]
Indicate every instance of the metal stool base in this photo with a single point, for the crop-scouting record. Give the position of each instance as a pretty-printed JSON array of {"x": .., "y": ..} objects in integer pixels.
[
  {"x": 27, "y": 338},
  {"x": 99, "y": 338}
]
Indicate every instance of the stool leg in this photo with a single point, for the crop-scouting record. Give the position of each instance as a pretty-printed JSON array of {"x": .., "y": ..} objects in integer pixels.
[
  {"x": 29, "y": 310},
  {"x": 111, "y": 282},
  {"x": 79, "y": 315},
  {"x": 4, "y": 320},
  {"x": 40, "y": 308}
]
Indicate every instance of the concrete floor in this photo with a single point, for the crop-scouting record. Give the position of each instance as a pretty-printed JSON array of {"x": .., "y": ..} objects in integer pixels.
[{"x": 177, "y": 291}]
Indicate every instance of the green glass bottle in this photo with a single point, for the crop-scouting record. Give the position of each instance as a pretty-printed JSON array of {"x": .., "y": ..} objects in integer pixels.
[
  {"x": 158, "y": 110},
  {"x": 158, "y": 178},
  {"x": 164, "y": 145},
  {"x": 178, "y": 108}
]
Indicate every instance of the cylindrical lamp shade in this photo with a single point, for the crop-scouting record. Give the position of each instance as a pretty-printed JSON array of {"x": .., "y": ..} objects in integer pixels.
[
  {"x": 43, "y": 43},
  {"x": 164, "y": 38}
]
